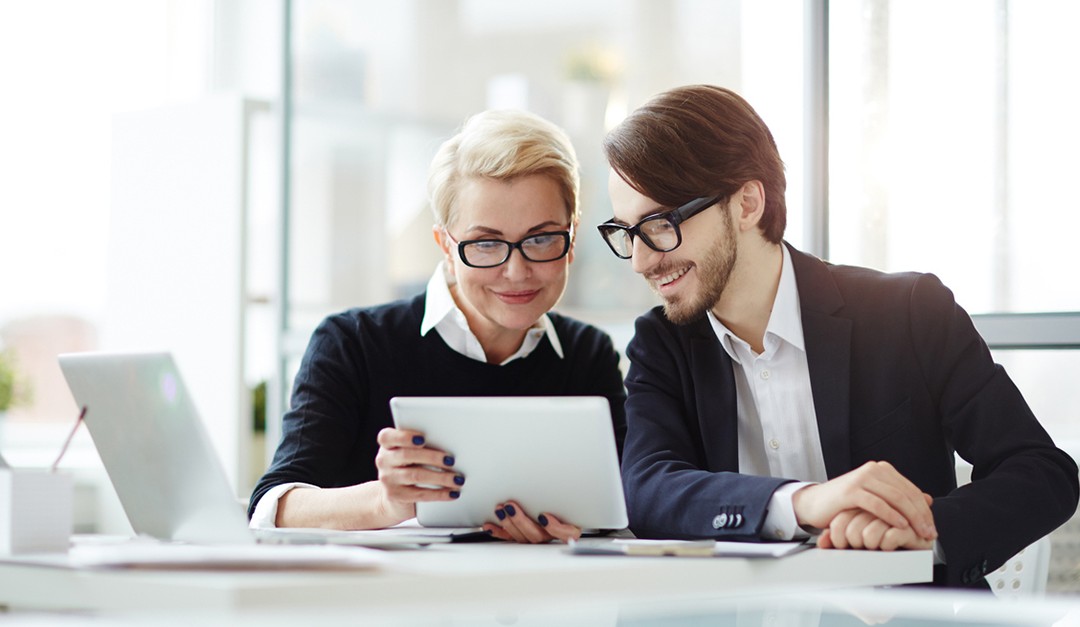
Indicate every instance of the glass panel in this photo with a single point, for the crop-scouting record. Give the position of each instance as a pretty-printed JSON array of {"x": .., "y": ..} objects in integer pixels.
[
  {"x": 1047, "y": 379},
  {"x": 948, "y": 157},
  {"x": 70, "y": 69},
  {"x": 379, "y": 85}
]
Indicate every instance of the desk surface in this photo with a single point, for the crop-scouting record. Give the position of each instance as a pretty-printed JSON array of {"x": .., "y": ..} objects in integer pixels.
[{"x": 457, "y": 575}]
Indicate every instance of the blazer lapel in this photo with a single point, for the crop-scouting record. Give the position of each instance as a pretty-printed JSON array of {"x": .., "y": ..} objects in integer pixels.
[
  {"x": 828, "y": 356},
  {"x": 716, "y": 399}
]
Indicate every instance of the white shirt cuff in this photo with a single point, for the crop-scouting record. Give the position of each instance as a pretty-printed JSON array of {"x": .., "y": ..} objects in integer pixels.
[
  {"x": 780, "y": 522},
  {"x": 265, "y": 514}
]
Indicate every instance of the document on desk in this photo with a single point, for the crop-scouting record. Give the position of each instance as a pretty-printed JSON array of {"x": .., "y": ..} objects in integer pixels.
[
  {"x": 684, "y": 548},
  {"x": 408, "y": 534},
  {"x": 176, "y": 556}
]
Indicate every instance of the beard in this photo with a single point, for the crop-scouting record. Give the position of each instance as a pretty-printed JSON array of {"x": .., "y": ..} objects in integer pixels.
[{"x": 713, "y": 273}]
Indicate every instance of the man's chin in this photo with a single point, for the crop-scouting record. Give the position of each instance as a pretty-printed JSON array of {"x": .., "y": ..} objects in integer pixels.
[{"x": 682, "y": 313}]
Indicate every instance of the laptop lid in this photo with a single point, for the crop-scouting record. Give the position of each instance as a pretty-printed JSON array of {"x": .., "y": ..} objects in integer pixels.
[
  {"x": 551, "y": 454},
  {"x": 155, "y": 448}
]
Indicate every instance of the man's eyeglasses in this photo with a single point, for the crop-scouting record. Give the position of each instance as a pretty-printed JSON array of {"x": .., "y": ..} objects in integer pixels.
[
  {"x": 659, "y": 231},
  {"x": 488, "y": 253}
]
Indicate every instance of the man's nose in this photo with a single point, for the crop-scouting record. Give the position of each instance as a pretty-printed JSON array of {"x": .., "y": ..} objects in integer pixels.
[{"x": 642, "y": 257}]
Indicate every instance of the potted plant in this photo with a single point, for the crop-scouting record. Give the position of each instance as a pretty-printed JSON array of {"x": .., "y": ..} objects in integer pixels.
[{"x": 10, "y": 392}]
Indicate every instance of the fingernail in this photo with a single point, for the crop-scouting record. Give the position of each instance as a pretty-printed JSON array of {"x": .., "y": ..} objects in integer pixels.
[
  {"x": 418, "y": 440},
  {"x": 454, "y": 494},
  {"x": 510, "y": 511},
  {"x": 458, "y": 479},
  {"x": 501, "y": 515},
  {"x": 448, "y": 460},
  {"x": 542, "y": 520},
  {"x": 489, "y": 531}
]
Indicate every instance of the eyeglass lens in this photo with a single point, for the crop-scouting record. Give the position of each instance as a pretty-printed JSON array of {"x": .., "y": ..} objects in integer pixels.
[
  {"x": 541, "y": 247},
  {"x": 659, "y": 233}
]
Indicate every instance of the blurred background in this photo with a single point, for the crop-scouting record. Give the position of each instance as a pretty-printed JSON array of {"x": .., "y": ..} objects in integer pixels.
[{"x": 212, "y": 177}]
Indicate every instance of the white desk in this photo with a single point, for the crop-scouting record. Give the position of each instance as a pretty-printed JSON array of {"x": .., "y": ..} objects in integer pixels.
[{"x": 459, "y": 575}]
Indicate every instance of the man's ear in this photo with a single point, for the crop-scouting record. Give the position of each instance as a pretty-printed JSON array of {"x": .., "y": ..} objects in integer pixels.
[{"x": 750, "y": 200}]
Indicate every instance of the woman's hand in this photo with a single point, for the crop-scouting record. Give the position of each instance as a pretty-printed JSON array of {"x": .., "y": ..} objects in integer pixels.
[
  {"x": 515, "y": 525},
  {"x": 410, "y": 472}
]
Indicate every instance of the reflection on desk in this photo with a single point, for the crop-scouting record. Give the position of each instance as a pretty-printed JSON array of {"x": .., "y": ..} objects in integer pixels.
[{"x": 448, "y": 576}]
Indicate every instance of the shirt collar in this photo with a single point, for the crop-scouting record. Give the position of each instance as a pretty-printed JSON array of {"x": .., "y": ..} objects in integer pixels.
[
  {"x": 440, "y": 309},
  {"x": 785, "y": 321}
]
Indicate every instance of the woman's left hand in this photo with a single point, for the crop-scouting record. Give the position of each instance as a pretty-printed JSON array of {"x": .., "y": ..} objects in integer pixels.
[{"x": 515, "y": 525}]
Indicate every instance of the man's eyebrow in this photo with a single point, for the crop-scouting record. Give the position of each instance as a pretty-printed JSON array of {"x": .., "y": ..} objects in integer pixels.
[{"x": 652, "y": 212}]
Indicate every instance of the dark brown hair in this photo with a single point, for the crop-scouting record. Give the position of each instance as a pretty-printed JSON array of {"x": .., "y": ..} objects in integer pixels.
[{"x": 699, "y": 140}]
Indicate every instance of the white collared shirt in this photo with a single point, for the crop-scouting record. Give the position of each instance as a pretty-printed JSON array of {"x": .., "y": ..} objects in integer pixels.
[
  {"x": 442, "y": 314},
  {"x": 778, "y": 434}
]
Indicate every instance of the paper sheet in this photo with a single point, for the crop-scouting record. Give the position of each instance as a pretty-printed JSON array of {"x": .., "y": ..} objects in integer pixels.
[
  {"x": 167, "y": 556},
  {"x": 684, "y": 548}
]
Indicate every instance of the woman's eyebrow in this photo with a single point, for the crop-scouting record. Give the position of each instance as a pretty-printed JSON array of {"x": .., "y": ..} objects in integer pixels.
[{"x": 492, "y": 231}]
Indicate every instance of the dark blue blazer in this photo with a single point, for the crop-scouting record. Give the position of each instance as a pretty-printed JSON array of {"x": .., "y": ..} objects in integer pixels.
[{"x": 898, "y": 374}]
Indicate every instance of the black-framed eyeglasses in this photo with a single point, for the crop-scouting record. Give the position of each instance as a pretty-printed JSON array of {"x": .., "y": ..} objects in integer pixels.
[
  {"x": 488, "y": 253},
  {"x": 659, "y": 231}
]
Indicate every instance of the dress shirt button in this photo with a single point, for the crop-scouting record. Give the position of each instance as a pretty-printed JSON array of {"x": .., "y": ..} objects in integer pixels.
[
  {"x": 779, "y": 534},
  {"x": 765, "y": 374},
  {"x": 774, "y": 444},
  {"x": 720, "y": 521}
]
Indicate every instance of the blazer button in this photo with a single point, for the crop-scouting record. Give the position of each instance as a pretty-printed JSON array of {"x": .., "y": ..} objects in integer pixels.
[{"x": 720, "y": 521}]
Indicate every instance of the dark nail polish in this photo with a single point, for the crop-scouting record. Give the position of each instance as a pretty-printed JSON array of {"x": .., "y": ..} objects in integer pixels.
[
  {"x": 542, "y": 520},
  {"x": 418, "y": 440},
  {"x": 458, "y": 479},
  {"x": 501, "y": 515},
  {"x": 454, "y": 494},
  {"x": 448, "y": 460},
  {"x": 510, "y": 511}
]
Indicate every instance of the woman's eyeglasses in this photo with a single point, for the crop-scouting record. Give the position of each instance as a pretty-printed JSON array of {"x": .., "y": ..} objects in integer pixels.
[
  {"x": 488, "y": 253},
  {"x": 659, "y": 231}
]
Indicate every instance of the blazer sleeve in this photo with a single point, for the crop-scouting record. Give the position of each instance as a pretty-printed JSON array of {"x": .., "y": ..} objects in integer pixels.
[
  {"x": 674, "y": 487},
  {"x": 1022, "y": 485}
]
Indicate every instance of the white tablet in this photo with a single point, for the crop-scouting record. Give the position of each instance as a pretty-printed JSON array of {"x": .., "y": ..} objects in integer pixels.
[{"x": 551, "y": 454}]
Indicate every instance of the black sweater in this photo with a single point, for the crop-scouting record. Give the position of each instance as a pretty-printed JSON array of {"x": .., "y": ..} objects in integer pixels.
[{"x": 358, "y": 359}]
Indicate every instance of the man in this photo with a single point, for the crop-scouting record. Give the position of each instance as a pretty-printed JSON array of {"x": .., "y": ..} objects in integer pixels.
[{"x": 775, "y": 395}]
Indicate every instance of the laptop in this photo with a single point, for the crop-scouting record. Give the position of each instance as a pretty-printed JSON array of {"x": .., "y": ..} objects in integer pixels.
[
  {"x": 162, "y": 463},
  {"x": 553, "y": 454}
]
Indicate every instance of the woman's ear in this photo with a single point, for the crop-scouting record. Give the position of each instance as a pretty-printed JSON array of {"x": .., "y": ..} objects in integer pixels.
[
  {"x": 443, "y": 242},
  {"x": 439, "y": 233},
  {"x": 573, "y": 240}
]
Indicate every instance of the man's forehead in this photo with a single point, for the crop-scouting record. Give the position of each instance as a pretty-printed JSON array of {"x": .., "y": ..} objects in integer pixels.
[{"x": 628, "y": 203}]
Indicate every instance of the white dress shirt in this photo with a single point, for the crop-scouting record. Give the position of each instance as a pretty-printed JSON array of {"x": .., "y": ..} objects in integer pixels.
[
  {"x": 442, "y": 314},
  {"x": 778, "y": 434}
]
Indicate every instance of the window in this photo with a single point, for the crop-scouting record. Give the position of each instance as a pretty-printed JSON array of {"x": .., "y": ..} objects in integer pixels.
[{"x": 953, "y": 157}]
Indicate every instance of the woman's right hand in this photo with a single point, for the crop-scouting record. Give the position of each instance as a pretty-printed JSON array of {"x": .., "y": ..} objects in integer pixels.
[{"x": 410, "y": 472}]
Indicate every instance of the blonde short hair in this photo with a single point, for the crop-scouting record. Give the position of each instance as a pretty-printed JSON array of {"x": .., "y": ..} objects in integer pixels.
[{"x": 503, "y": 145}]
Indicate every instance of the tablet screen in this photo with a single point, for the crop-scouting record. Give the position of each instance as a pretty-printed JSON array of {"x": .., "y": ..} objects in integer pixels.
[{"x": 551, "y": 454}]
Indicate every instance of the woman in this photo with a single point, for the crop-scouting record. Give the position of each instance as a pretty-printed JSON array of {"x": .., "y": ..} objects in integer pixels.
[{"x": 504, "y": 192}]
